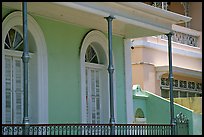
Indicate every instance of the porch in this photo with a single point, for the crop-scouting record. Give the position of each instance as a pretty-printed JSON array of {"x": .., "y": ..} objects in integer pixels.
[{"x": 90, "y": 129}]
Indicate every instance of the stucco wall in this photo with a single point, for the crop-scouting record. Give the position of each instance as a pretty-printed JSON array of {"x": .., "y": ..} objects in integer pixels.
[
  {"x": 144, "y": 60},
  {"x": 63, "y": 42},
  {"x": 145, "y": 76},
  {"x": 160, "y": 58}
]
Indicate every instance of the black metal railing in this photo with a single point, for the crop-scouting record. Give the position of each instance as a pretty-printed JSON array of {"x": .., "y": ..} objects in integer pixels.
[{"x": 87, "y": 129}]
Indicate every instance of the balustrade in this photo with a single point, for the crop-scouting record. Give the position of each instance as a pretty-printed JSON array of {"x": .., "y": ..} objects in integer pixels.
[{"x": 87, "y": 129}]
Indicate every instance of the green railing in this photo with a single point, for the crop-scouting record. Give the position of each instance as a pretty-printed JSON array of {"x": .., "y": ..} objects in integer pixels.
[{"x": 86, "y": 129}]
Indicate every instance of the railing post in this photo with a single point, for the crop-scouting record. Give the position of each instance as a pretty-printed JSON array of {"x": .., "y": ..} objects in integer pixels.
[
  {"x": 111, "y": 70},
  {"x": 169, "y": 35},
  {"x": 25, "y": 58}
]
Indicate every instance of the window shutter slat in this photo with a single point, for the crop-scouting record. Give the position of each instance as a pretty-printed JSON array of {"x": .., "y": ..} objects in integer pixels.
[
  {"x": 8, "y": 75},
  {"x": 18, "y": 94}
]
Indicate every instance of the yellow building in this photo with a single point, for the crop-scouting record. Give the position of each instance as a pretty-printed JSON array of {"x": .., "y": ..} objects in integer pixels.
[{"x": 150, "y": 62}]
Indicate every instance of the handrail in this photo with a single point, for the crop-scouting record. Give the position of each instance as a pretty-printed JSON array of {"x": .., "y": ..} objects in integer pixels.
[{"x": 87, "y": 129}]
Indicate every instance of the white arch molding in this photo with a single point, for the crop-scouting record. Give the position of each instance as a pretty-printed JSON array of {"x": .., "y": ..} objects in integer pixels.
[
  {"x": 100, "y": 38},
  {"x": 15, "y": 19}
]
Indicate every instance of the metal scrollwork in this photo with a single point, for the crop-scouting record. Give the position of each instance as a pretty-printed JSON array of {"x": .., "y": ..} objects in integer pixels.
[
  {"x": 181, "y": 118},
  {"x": 183, "y": 39}
]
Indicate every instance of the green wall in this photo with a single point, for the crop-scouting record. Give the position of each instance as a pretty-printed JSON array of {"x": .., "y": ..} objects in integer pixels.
[
  {"x": 5, "y": 12},
  {"x": 63, "y": 42},
  {"x": 197, "y": 124},
  {"x": 118, "y": 53},
  {"x": 159, "y": 111}
]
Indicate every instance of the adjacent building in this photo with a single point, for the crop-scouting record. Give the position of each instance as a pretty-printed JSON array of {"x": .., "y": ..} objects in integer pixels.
[{"x": 150, "y": 55}]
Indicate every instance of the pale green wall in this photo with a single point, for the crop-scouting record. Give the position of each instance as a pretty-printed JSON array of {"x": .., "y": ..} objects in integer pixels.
[
  {"x": 159, "y": 111},
  {"x": 63, "y": 42},
  {"x": 197, "y": 124},
  {"x": 5, "y": 12},
  {"x": 118, "y": 52}
]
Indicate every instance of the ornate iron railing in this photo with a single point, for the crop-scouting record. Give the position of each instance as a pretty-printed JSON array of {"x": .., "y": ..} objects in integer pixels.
[
  {"x": 183, "y": 38},
  {"x": 87, "y": 129},
  {"x": 182, "y": 124}
]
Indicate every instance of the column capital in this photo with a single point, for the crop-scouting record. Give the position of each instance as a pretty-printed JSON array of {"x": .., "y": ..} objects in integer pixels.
[
  {"x": 109, "y": 18},
  {"x": 169, "y": 34}
]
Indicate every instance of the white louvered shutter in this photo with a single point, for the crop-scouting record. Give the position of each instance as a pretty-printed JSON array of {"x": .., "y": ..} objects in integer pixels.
[
  {"x": 95, "y": 99},
  {"x": 17, "y": 90},
  {"x": 98, "y": 107},
  {"x": 87, "y": 98},
  {"x": 14, "y": 92},
  {"x": 8, "y": 75}
]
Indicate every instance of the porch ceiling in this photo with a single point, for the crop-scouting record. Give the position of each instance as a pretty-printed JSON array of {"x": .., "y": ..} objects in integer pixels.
[{"x": 133, "y": 19}]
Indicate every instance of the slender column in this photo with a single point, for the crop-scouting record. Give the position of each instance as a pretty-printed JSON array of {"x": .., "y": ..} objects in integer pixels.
[
  {"x": 25, "y": 58},
  {"x": 110, "y": 68},
  {"x": 169, "y": 35}
]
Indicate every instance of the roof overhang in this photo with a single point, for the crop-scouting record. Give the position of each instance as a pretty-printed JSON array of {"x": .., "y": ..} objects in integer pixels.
[
  {"x": 133, "y": 19},
  {"x": 180, "y": 71}
]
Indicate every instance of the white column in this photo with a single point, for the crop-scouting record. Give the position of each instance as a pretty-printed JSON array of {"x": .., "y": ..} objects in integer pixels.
[{"x": 128, "y": 81}]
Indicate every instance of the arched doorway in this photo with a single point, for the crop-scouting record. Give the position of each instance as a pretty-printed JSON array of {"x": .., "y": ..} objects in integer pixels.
[
  {"x": 12, "y": 71},
  {"x": 94, "y": 78}
]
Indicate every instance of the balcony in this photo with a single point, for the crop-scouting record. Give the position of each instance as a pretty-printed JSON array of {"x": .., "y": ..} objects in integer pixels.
[{"x": 185, "y": 36}]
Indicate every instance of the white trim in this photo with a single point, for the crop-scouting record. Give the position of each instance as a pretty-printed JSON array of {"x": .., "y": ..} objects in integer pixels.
[
  {"x": 14, "y": 19},
  {"x": 145, "y": 44},
  {"x": 128, "y": 81},
  {"x": 99, "y": 37}
]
